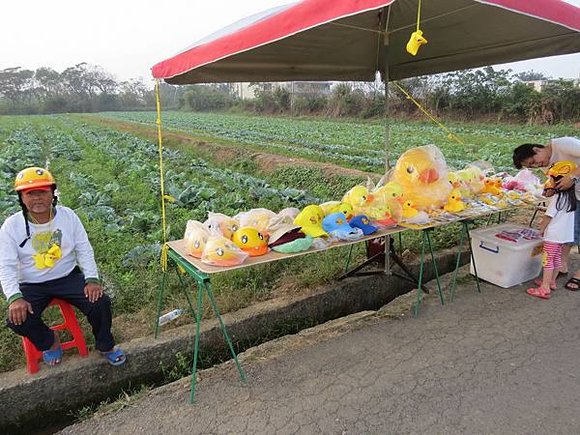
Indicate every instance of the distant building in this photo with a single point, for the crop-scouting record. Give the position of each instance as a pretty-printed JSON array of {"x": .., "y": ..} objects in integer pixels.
[
  {"x": 246, "y": 92},
  {"x": 539, "y": 85}
]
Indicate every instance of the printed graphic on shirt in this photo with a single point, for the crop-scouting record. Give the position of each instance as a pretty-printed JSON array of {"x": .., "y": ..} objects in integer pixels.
[{"x": 47, "y": 246}]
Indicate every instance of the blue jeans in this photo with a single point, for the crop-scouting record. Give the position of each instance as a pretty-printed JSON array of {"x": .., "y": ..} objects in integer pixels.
[{"x": 70, "y": 289}]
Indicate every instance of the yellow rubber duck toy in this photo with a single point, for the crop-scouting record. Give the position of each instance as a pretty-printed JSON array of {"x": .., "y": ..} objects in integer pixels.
[
  {"x": 409, "y": 211},
  {"x": 391, "y": 190},
  {"x": 492, "y": 185},
  {"x": 415, "y": 42},
  {"x": 454, "y": 202},
  {"x": 329, "y": 207},
  {"x": 359, "y": 198}
]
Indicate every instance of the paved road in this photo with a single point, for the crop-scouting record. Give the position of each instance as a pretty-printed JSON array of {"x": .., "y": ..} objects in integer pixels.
[{"x": 495, "y": 362}]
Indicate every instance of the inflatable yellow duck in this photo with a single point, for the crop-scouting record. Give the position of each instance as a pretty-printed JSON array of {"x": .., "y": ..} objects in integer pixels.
[
  {"x": 454, "y": 202},
  {"x": 474, "y": 177},
  {"x": 422, "y": 173}
]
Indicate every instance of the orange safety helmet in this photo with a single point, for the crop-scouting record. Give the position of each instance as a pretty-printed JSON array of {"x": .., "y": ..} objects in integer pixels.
[{"x": 33, "y": 178}]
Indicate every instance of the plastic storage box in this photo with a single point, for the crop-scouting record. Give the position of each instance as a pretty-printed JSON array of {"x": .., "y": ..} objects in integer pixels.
[{"x": 506, "y": 254}]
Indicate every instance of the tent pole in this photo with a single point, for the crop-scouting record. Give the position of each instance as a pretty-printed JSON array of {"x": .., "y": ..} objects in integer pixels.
[{"x": 387, "y": 139}]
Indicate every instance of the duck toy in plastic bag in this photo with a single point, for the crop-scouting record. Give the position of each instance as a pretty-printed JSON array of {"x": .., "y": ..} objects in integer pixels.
[
  {"x": 422, "y": 173},
  {"x": 218, "y": 223},
  {"x": 196, "y": 236},
  {"x": 220, "y": 251},
  {"x": 251, "y": 241}
]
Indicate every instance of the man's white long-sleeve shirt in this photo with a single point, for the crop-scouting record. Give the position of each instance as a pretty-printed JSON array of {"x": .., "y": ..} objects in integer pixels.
[{"x": 17, "y": 264}]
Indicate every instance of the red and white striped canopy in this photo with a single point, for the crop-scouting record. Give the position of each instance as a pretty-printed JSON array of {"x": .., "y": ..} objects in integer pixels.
[{"x": 353, "y": 39}]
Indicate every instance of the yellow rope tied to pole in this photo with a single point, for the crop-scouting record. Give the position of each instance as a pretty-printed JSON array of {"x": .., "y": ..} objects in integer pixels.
[
  {"x": 450, "y": 135},
  {"x": 418, "y": 14},
  {"x": 164, "y": 248}
]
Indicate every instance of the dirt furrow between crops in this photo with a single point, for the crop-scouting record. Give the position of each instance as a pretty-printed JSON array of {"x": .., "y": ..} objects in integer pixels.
[{"x": 267, "y": 162}]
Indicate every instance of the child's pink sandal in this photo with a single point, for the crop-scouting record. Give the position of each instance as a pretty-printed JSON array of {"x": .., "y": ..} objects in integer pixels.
[
  {"x": 538, "y": 282},
  {"x": 538, "y": 292}
]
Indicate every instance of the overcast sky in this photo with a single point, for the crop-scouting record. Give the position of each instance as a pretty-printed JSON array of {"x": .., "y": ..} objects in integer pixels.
[{"x": 126, "y": 38}]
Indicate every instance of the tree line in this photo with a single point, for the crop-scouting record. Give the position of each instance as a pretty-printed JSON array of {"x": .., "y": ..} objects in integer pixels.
[{"x": 468, "y": 95}]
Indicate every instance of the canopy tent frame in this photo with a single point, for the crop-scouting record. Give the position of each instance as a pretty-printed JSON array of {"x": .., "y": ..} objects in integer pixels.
[{"x": 335, "y": 40}]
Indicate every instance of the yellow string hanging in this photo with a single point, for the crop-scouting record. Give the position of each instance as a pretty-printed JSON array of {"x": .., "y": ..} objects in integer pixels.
[
  {"x": 417, "y": 39},
  {"x": 450, "y": 135},
  {"x": 164, "y": 248}
]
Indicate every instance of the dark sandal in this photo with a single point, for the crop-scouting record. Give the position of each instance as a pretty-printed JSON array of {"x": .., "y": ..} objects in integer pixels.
[{"x": 575, "y": 284}]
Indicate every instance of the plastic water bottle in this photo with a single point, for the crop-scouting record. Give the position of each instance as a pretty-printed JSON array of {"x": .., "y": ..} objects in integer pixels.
[{"x": 170, "y": 316}]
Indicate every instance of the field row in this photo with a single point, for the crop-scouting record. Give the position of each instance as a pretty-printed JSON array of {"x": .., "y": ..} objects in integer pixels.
[{"x": 352, "y": 143}]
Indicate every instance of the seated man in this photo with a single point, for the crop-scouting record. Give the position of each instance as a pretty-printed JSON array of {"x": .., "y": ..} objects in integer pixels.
[{"x": 45, "y": 253}]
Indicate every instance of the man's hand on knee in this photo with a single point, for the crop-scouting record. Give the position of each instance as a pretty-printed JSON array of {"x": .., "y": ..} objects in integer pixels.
[
  {"x": 18, "y": 311},
  {"x": 93, "y": 291}
]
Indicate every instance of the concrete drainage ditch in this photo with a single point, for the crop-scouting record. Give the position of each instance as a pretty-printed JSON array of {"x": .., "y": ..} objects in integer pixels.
[{"x": 46, "y": 402}]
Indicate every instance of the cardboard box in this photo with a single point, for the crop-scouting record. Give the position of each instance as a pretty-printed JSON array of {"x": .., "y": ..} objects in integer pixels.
[{"x": 506, "y": 255}]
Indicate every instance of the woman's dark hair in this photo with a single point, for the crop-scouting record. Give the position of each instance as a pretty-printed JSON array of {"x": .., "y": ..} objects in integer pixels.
[{"x": 524, "y": 152}]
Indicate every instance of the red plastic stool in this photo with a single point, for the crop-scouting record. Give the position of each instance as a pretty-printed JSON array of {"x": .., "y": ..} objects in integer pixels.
[{"x": 33, "y": 355}]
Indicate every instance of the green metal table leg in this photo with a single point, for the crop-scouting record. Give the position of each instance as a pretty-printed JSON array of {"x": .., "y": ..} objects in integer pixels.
[
  {"x": 457, "y": 261},
  {"x": 466, "y": 225},
  {"x": 224, "y": 330},
  {"x": 196, "y": 341},
  {"x": 420, "y": 281},
  {"x": 435, "y": 267},
  {"x": 160, "y": 302},
  {"x": 185, "y": 291},
  {"x": 348, "y": 260}
]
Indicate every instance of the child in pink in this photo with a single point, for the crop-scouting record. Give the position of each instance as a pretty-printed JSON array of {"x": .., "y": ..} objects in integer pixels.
[{"x": 557, "y": 228}]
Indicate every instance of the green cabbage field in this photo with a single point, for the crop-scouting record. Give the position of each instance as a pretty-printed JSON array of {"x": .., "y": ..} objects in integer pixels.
[{"x": 110, "y": 176}]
